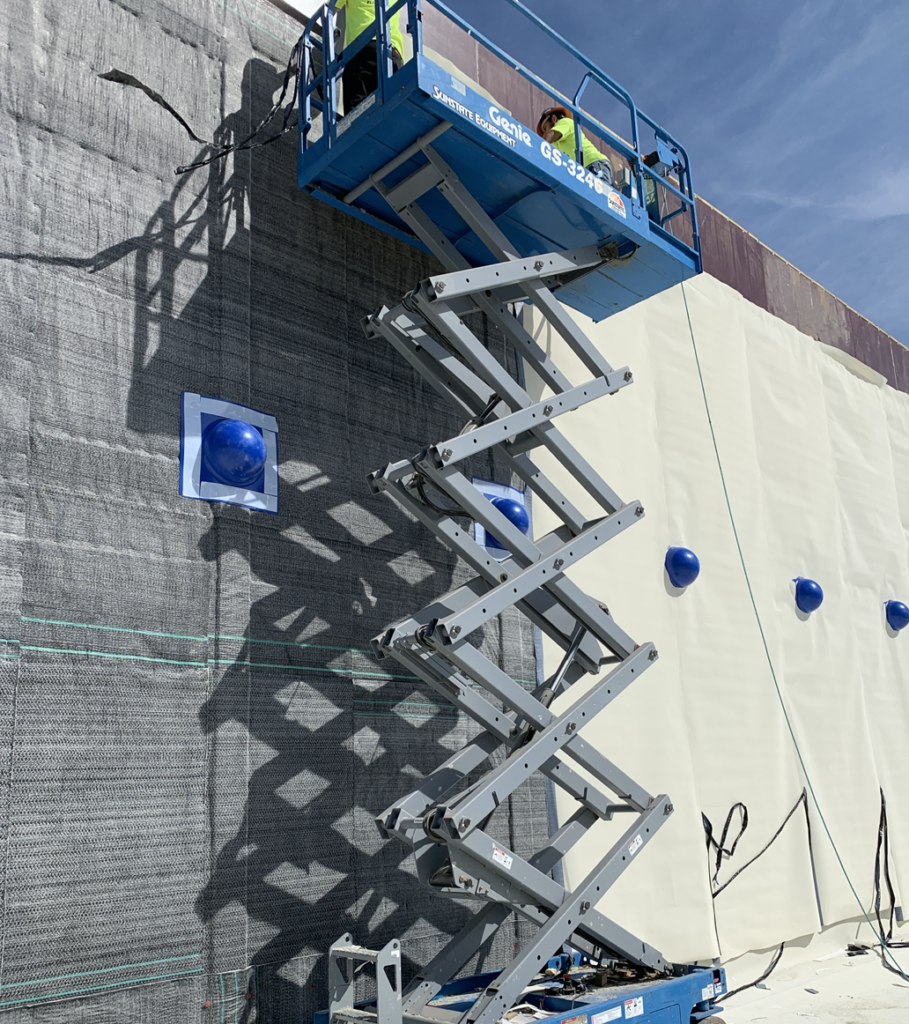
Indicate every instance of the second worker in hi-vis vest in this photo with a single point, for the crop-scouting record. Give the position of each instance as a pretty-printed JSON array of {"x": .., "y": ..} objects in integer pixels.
[{"x": 361, "y": 74}]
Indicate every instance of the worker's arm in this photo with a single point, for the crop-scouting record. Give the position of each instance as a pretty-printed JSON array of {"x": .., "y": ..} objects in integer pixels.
[{"x": 562, "y": 130}]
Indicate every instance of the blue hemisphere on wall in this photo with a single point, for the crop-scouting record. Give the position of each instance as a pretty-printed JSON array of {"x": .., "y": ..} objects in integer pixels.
[
  {"x": 515, "y": 513},
  {"x": 897, "y": 615},
  {"x": 808, "y": 594},
  {"x": 233, "y": 452},
  {"x": 682, "y": 566},
  {"x": 228, "y": 453}
]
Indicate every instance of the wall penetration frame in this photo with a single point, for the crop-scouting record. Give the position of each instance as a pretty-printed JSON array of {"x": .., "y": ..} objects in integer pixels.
[{"x": 199, "y": 413}]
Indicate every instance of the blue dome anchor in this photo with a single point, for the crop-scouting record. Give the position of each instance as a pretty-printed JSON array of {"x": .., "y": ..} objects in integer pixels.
[
  {"x": 228, "y": 453},
  {"x": 808, "y": 594},
  {"x": 515, "y": 513},
  {"x": 897, "y": 615},
  {"x": 233, "y": 452},
  {"x": 682, "y": 567}
]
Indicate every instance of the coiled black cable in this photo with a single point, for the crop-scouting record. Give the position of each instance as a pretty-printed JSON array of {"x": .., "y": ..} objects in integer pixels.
[
  {"x": 294, "y": 65},
  {"x": 721, "y": 845},
  {"x": 708, "y": 828},
  {"x": 455, "y": 513},
  {"x": 882, "y": 870}
]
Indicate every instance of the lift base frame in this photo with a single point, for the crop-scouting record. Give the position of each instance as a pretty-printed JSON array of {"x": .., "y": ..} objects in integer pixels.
[{"x": 685, "y": 999}]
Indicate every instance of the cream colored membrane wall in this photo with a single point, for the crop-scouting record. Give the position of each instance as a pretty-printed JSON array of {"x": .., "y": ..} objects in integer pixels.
[{"x": 816, "y": 464}]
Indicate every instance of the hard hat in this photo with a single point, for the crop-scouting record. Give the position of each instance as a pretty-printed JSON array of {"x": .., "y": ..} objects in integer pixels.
[{"x": 548, "y": 112}]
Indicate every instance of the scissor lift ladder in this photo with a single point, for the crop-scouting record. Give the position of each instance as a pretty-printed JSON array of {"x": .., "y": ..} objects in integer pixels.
[{"x": 443, "y": 819}]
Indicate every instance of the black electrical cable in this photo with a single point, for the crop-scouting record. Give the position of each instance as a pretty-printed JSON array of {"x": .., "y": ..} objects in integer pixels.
[
  {"x": 480, "y": 419},
  {"x": 881, "y": 875},
  {"x": 802, "y": 800},
  {"x": 293, "y": 69},
  {"x": 457, "y": 513},
  {"x": 751, "y": 984},
  {"x": 882, "y": 869},
  {"x": 122, "y": 78},
  {"x": 720, "y": 846}
]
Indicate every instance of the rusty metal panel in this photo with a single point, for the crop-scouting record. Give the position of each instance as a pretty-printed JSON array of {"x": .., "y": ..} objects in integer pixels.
[
  {"x": 798, "y": 300},
  {"x": 510, "y": 89},
  {"x": 732, "y": 255},
  {"x": 450, "y": 41},
  {"x": 539, "y": 101},
  {"x": 737, "y": 258},
  {"x": 871, "y": 346},
  {"x": 900, "y": 356}
]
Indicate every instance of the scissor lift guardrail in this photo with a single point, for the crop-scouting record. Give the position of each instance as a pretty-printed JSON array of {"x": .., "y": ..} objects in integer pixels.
[{"x": 541, "y": 198}]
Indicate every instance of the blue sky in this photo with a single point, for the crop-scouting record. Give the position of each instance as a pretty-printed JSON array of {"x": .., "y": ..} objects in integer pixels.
[{"x": 795, "y": 116}]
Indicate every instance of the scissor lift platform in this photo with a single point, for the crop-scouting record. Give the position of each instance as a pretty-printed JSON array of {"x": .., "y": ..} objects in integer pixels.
[{"x": 541, "y": 199}]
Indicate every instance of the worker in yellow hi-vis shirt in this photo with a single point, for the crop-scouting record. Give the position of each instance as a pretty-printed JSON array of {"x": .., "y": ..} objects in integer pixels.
[
  {"x": 361, "y": 75},
  {"x": 556, "y": 126}
]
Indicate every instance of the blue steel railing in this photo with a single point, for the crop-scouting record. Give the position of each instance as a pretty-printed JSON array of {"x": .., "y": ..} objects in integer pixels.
[{"x": 324, "y": 80}]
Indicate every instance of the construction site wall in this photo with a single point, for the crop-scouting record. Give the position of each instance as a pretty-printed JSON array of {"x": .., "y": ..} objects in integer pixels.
[
  {"x": 195, "y": 738},
  {"x": 771, "y": 457}
]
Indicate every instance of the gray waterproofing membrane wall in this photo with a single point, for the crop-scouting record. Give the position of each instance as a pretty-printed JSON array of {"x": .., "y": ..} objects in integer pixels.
[{"x": 194, "y": 736}]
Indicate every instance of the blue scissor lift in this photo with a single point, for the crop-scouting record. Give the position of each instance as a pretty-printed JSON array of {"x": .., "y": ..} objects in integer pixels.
[{"x": 429, "y": 158}]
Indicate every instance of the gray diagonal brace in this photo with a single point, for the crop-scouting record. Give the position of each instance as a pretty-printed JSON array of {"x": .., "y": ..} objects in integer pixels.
[
  {"x": 453, "y": 955},
  {"x": 542, "y": 608},
  {"x": 503, "y": 780},
  {"x": 566, "y": 919},
  {"x": 426, "y": 667},
  {"x": 418, "y": 801},
  {"x": 524, "y": 343},
  {"x": 480, "y": 668},
  {"x": 459, "y": 598},
  {"x": 478, "y": 279},
  {"x": 414, "y": 186},
  {"x": 397, "y": 161},
  {"x": 404, "y": 631},
  {"x": 470, "y": 211},
  {"x": 464, "y": 389},
  {"x": 498, "y": 431},
  {"x": 574, "y": 829},
  {"x": 523, "y": 467},
  {"x": 451, "y": 387},
  {"x": 451, "y": 327},
  {"x": 418, "y": 222},
  {"x": 454, "y": 483},
  {"x": 499, "y": 245},
  {"x": 486, "y": 606},
  {"x": 521, "y": 883}
]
